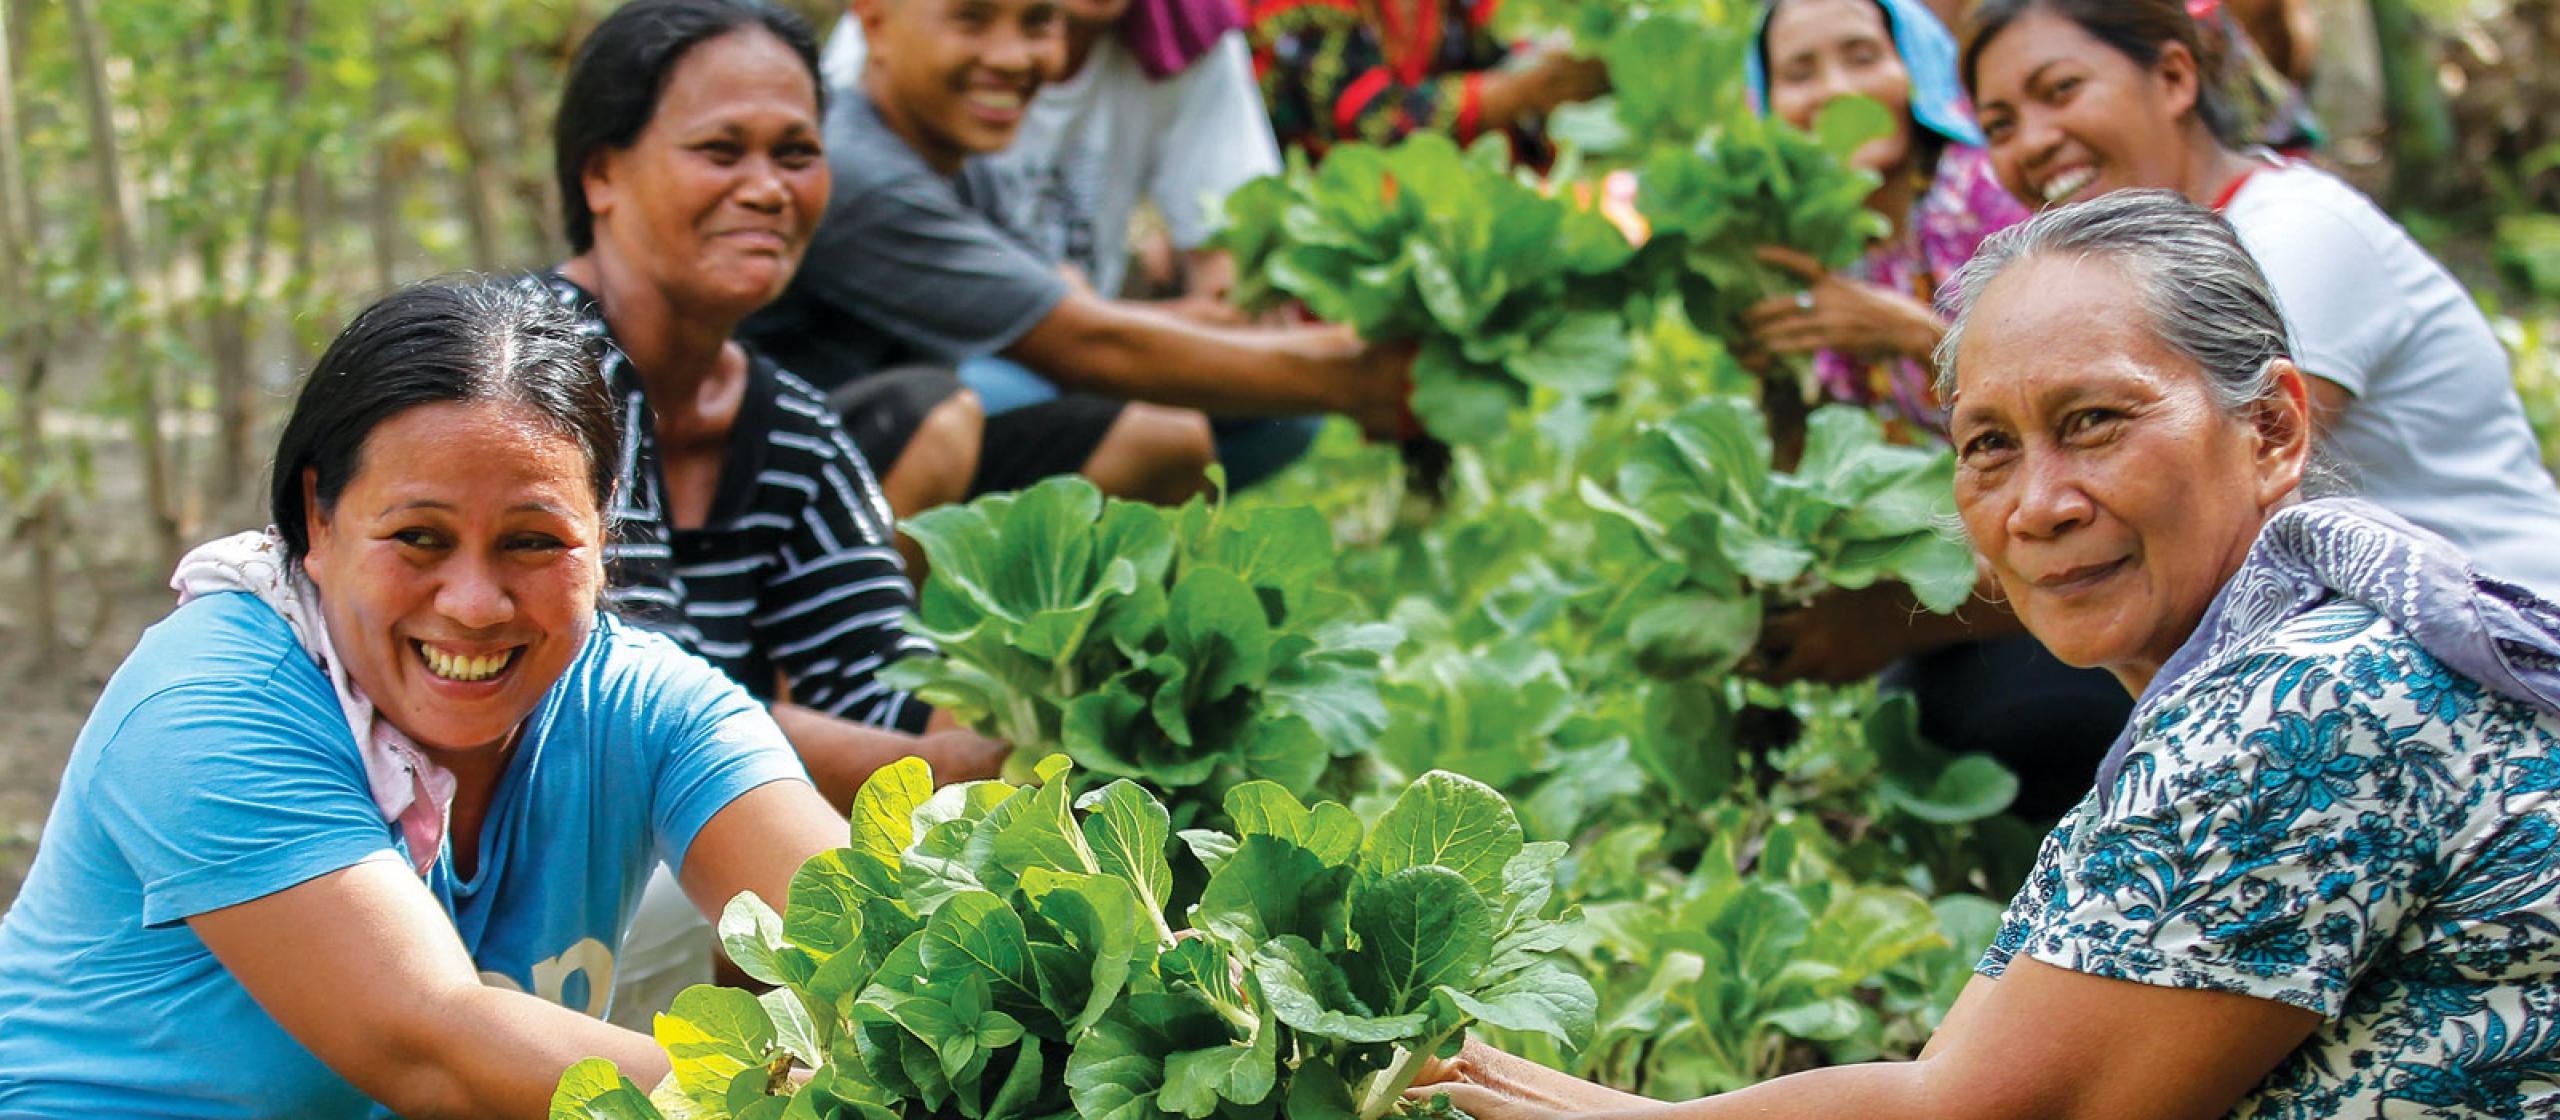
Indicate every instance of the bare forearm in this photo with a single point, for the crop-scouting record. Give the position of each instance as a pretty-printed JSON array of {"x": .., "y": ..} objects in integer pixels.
[
  {"x": 1872, "y": 1091},
  {"x": 1135, "y": 352},
  {"x": 495, "y": 1052},
  {"x": 839, "y": 753}
]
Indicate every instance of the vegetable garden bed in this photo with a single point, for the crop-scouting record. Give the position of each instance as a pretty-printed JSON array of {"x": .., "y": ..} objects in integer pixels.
[{"x": 1311, "y": 782}]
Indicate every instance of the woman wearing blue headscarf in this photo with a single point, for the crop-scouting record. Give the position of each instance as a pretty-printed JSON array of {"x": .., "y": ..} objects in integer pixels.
[
  {"x": 1872, "y": 326},
  {"x": 1982, "y": 685}
]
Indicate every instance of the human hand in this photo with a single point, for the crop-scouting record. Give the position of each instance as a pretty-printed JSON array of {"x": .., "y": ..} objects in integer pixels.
[
  {"x": 961, "y": 755},
  {"x": 1373, "y": 385},
  {"x": 1840, "y": 637},
  {"x": 1836, "y": 313},
  {"x": 1491, "y": 1085},
  {"x": 1209, "y": 310},
  {"x": 1564, "y": 78}
]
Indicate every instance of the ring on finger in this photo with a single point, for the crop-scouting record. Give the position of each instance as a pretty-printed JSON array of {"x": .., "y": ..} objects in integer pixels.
[{"x": 1804, "y": 301}]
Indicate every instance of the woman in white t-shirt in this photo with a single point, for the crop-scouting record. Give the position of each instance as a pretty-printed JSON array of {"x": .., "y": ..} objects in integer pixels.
[{"x": 2414, "y": 397}]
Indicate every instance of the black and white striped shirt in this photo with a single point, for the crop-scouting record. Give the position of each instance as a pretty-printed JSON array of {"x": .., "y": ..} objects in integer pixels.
[{"x": 792, "y": 577}]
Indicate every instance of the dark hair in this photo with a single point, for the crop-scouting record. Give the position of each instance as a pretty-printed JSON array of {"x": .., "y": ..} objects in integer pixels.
[
  {"x": 473, "y": 339},
  {"x": 622, "y": 70},
  {"x": 1926, "y": 144},
  {"x": 2137, "y": 29}
]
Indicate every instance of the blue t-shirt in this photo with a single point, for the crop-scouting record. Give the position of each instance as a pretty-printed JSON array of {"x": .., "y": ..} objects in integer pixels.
[{"x": 217, "y": 768}]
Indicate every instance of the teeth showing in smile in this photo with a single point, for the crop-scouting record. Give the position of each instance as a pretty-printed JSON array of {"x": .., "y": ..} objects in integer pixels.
[
  {"x": 2067, "y": 184},
  {"x": 996, "y": 101},
  {"x": 466, "y": 669}
]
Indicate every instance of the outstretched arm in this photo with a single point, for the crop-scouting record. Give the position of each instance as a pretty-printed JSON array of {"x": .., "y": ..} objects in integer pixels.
[
  {"x": 1135, "y": 352},
  {"x": 2043, "y": 1043},
  {"x": 362, "y": 966}
]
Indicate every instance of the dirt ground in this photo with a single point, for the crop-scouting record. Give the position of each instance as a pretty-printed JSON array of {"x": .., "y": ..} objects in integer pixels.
[
  {"x": 45, "y": 700},
  {"x": 114, "y": 588}
]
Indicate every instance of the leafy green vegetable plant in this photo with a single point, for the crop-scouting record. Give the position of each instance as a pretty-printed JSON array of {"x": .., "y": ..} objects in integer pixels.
[
  {"x": 1503, "y": 289},
  {"x": 1188, "y": 649},
  {"x": 995, "y": 952},
  {"x": 1718, "y": 530},
  {"x": 1758, "y": 181}
]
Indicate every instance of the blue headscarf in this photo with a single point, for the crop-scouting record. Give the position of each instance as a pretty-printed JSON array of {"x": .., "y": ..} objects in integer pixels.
[{"x": 1928, "y": 51}]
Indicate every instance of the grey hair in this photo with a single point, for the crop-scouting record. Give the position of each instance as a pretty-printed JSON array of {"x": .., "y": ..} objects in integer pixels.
[{"x": 2206, "y": 296}]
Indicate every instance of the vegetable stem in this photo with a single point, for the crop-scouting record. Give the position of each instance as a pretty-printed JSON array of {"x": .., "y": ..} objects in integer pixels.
[{"x": 1389, "y": 1086}]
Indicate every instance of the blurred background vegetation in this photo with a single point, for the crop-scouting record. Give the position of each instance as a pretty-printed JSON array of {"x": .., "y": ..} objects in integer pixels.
[{"x": 195, "y": 194}]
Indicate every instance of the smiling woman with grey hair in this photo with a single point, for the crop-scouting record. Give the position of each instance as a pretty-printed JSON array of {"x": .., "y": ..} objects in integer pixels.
[{"x": 2320, "y": 872}]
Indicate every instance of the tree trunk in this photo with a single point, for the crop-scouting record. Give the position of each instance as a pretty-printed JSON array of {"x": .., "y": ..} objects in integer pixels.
[
  {"x": 236, "y": 317},
  {"x": 2420, "y": 123},
  {"x": 26, "y": 343},
  {"x": 535, "y": 194},
  {"x": 479, "y": 197},
  {"x": 382, "y": 202},
  {"x": 119, "y": 217}
]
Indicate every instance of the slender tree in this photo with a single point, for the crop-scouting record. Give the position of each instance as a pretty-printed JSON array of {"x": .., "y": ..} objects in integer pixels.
[
  {"x": 26, "y": 339},
  {"x": 119, "y": 216}
]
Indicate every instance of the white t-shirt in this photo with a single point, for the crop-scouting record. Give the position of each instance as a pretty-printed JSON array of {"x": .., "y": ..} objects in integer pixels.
[
  {"x": 1093, "y": 145},
  {"x": 2436, "y": 433}
]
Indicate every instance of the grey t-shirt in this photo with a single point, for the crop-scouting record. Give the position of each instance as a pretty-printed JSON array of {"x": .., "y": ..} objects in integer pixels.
[{"x": 909, "y": 265}]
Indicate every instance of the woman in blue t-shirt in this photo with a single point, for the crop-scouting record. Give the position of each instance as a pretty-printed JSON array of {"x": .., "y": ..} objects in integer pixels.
[{"x": 357, "y": 827}]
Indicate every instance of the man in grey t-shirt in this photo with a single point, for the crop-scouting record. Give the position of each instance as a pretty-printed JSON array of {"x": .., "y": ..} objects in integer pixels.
[{"x": 912, "y": 263}]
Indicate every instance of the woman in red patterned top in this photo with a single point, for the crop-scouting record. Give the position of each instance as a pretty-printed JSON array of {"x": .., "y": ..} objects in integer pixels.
[{"x": 1338, "y": 71}]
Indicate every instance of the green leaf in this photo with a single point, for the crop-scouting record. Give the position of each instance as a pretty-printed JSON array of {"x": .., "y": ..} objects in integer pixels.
[
  {"x": 1329, "y": 832},
  {"x": 1583, "y": 355},
  {"x": 1688, "y": 635},
  {"x": 884, "y": 809},
  {"x": 1099, "y": 916},
  {"x": 1316, "y": 1092},
  {"x": 793, "y": 1028},
  {"x": 1118, "y": 1070},
  {"x": 1687, "y": 744},
  {"x": 1242, "y": 1073},
  {"x": 711, "y": 1035},
  {"x": 752, "y": 934},
  {"x": 1420, "y": 928},
  {"x": 1127, "y": 831},
  {"x": 1544, "y": 999},
  {"x": 1846, "y": 124},
  {"x": 594, "y": 1090},
  {"x": 1268, "y": 888},
  {"x": 1045, "y": 835},
  {"x": 1310, "y": 993},
  {"x": 975, "y": 934},
  {"x": 1449, "y": 821}
]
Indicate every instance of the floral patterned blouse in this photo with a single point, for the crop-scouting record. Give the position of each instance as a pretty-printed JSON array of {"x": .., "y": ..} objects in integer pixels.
[
  {"x": 1963, "y": 205},
  {"x": 2336, "y": 821}
]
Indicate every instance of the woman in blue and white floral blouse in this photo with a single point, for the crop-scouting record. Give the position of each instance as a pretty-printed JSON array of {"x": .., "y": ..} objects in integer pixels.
[{"x": 2319, "y": 875}]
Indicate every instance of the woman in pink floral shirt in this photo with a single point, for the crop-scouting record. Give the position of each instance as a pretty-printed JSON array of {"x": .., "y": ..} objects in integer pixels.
[{"x": 1872, "y": 326}]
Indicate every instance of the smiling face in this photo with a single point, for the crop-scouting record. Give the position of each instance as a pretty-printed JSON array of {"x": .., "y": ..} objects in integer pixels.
[
  {"x": 2109, "y": 494},
  {"x": 955, "y": 77},
  {"x": 716, "y": 199},
  {"x": 1822, "y": 49},
  {"x": 459, "y": 569},
  {"x": 2068, "y": 117}
]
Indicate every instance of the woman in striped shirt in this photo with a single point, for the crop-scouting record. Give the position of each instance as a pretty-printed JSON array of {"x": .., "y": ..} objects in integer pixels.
[{"x": 749, "y": 526}]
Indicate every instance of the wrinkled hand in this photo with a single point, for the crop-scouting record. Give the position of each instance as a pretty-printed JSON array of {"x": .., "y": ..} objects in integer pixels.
[
  {"x": 1841, "y": 637},
  {"x": 1844, "y": 314},
  {"x": 1491, "y": 1085}
]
